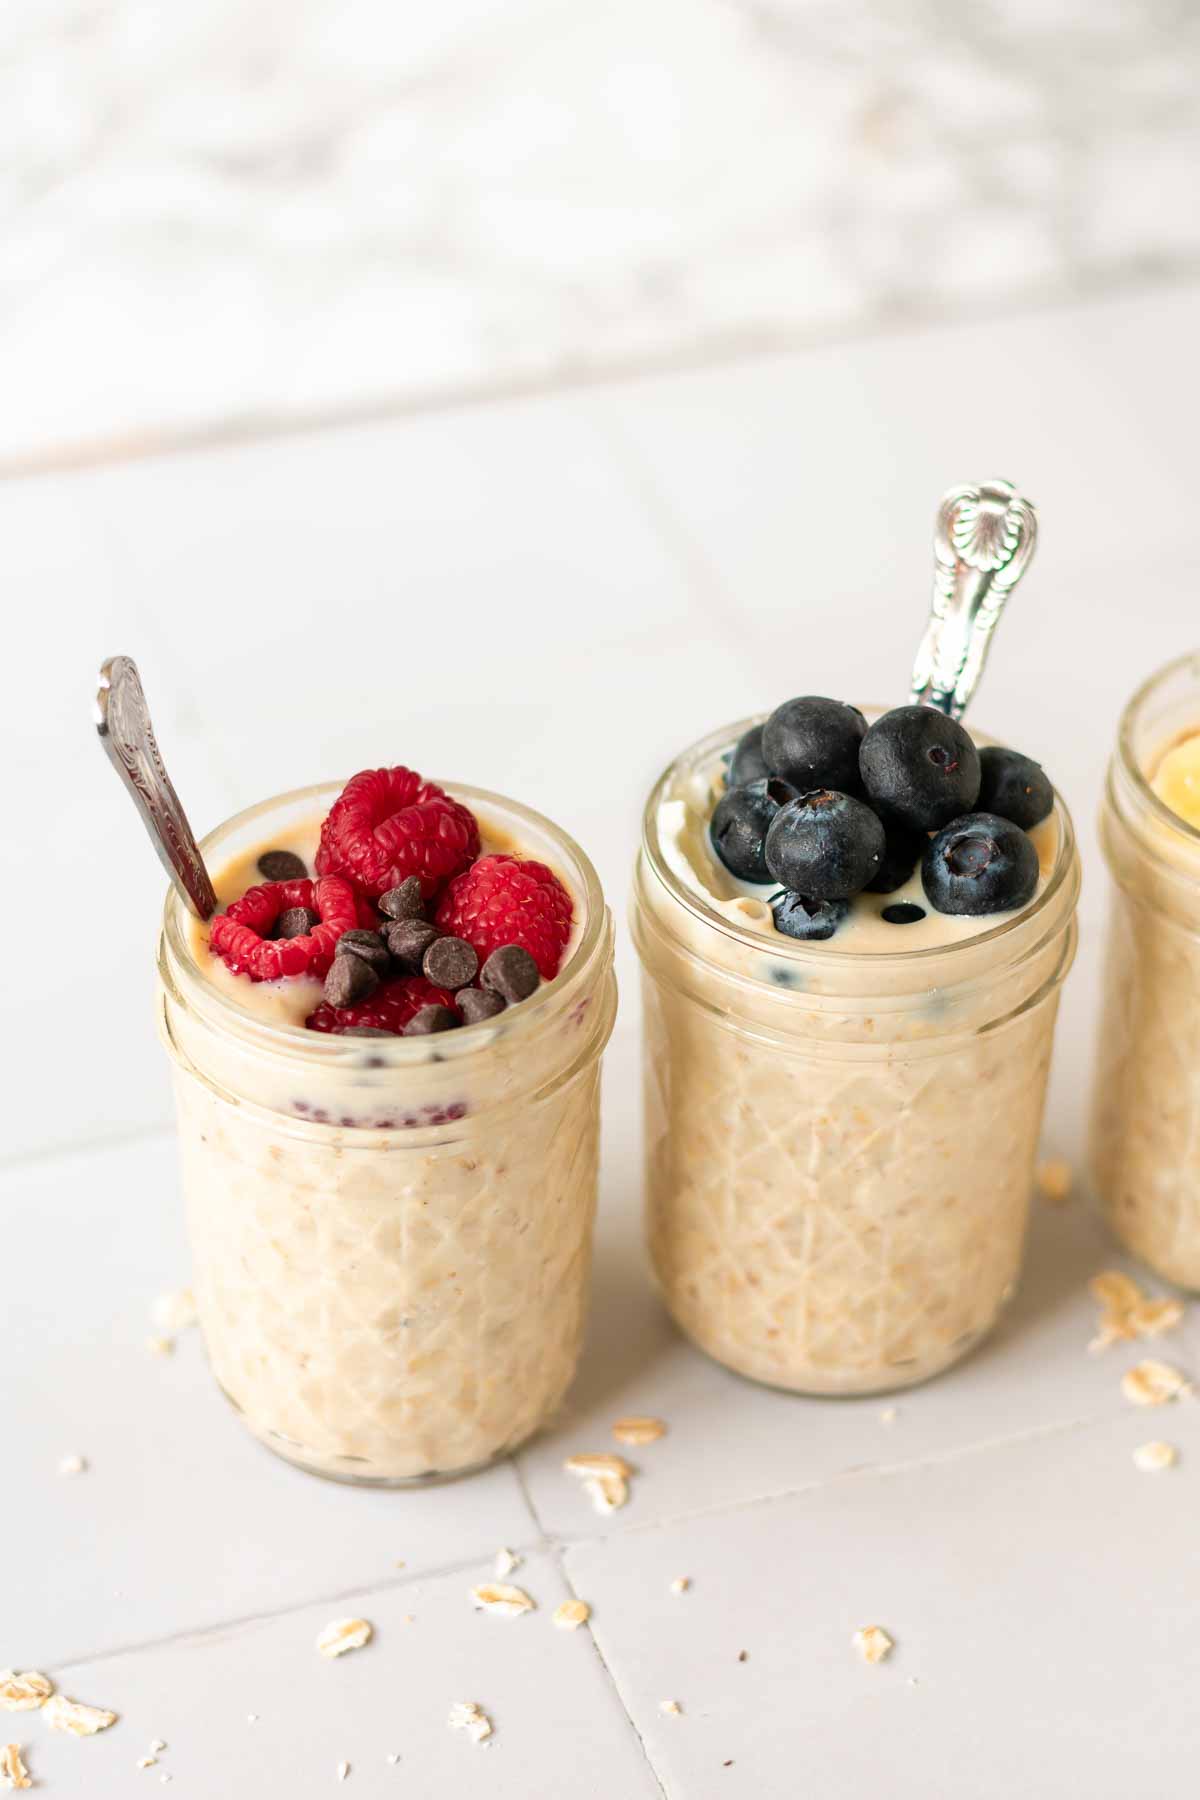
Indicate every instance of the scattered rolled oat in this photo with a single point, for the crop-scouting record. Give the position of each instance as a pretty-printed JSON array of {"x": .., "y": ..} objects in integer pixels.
[
  {"x": 872, "y": 1643},
  {"x": 175, "y": 1311},
  {"x": 888, "y": 1416},
  {"x": 72, "y": 1716},
  {"x": 252, "y": 1718},
  {"x": 13, "y": 1773},
  {"x": 506, "y": 1562},
  {"x": 572, "y": 1614},
  {"x": 164, "y": 1779},
  {"x": 146, "y": 1762},
  {"x": 393, "y": 1757},
  {"x": 466, "y": 1715},
  {"x": 1054, "y": 1180},
  {"x": 681, "y": 1584},
  {"x": 72, "y": 1465},
  {"x": 342, "y": 1635},
  {"x": 1129, "y": 1313},
  {"x": 669, "y": 1706},
  {"x": 1155, "y": 1456},
  {"x": 600, "y": 1463},
  {"x": 343, "y": 1769},
  {"x": 24, "y": 1693},
  {"x": 157, "y": 1745},
  {"x": 160, "y": 1346},
  {"x": 1152, "y": 1383},
  {"x": 607, "y": 1492},
  {"x": 636, "y": 1430},
  {"x": 505, "y": 1602}
]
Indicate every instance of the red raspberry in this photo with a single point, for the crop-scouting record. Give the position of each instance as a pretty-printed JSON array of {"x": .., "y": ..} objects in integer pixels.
[
  {"x": 389, "y": 823},
  {"x": 238, "y": 935},
  {"x": 389, "y": 1008},
  {"x": 505, "y": 900}
]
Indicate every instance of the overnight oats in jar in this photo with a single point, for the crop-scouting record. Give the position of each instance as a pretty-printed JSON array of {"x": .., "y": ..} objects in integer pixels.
[
  {"x": 1145, "y": 1140},
  {"x": 386, "y": 1051},
  {"x": 853, "y": 932}
]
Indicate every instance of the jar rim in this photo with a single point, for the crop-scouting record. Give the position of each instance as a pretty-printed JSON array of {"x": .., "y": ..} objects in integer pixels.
[
  {"x": 179, "y": 968},
  {"x": 1127, "y": 757},
  {"x": 819, "y": 954}
]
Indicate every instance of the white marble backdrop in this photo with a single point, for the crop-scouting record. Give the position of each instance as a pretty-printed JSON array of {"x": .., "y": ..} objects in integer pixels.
[{"x": 229, "y": 213}]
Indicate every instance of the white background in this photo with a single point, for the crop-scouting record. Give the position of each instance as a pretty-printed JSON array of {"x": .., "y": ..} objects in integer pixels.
[{"x": 552, "y": 593}]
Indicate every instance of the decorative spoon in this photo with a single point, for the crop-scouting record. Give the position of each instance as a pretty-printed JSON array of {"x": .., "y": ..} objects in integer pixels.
[
  {"x": 123, "y": 721},
  {"x": 983, "y": 539}
]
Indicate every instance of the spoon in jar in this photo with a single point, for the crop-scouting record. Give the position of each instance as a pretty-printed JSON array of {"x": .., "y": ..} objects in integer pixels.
[
  {"x": 122, "y": 719},
  {"x": 983, "y": 539}
]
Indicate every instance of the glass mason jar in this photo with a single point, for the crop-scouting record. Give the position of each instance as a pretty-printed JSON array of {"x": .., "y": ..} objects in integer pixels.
[
  {"x": 1145, "y": 1141},
  {"x": 839, "y": 1147},
  {"x": 391, "y": 1237}
]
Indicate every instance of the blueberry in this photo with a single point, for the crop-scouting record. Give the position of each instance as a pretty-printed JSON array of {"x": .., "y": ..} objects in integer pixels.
[
  {"x": 814, "y": 743},
  {"x": 980, "y": 864},
  {"x": 747, "y": 762},
  {"x": 919, "y": 768},
  {"x": 825, "y": 845},
  {"x": 904, "y": 851},
  {"x": 1014, "y": 786},
  {"x": 813, "y": 920},
  {"x": 739, "y": 826}
]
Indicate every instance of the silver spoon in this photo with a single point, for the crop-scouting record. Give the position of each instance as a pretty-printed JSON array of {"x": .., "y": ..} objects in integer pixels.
[
  {"x": 983, "y": 539},
  {"x": 123, "y": 721}
]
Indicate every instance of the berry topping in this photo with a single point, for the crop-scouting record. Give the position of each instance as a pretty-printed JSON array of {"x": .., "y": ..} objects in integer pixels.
[
  {"x": 980, "y": 864},
  {"x": 242, "y": 935},
  {"x": 477, "y": 1004},
  {"x": 920, "y": 768},
  {"x": 388, "y": 824},
  {"x": 510, "y": 972},
  {"x": 814, "y": 743},
  {"x": 905, "y": 912},
  {"x": 282, "y": 865},
  {"x": 825, "y": 845},
  {"x": 389, "y": 1009},
  {"x": 812, "y": 920},
  {"x": 747, "y": 762},
  {"x": 432, "y": 1018},
  {"x": 740, "y": 822},
  {"x": 450, "y": 962},
  {"x": 902, "y": 853},
  {"x": 1014, "y": 786},
  {"x": 506, "y": 900}
]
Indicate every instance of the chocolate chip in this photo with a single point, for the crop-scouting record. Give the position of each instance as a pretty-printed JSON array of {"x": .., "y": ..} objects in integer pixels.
[
  {"x": 349, "y": 980},
  {"x": 408, "y": 940},
  {"x": 450, "y": 962},
  {"x": 431, "y": 1018},
  {"x": 369, "y": 945},
  {"x": 296, "y": 922},
  {"x": 281, "y": 865},
  {"x": 478, "y": 1004},
  {"x": 903, "y": 913},
  {"x": 512, "y": 972},
  {"x": 367, "y": 1031},
  {"x": 403, "y": 902}
]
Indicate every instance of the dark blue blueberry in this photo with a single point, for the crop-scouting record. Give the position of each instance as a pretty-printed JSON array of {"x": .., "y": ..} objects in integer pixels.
[
  {"x": 904, "y": 851},
  {"x": 919, "y": 768},
  {"x": 1014, "y": 786},
  {"x": 980, "y": 864},
  {"x": 903, "y": 913},
  {"x": 825, "y": 845},
  {"x": 739, "y": 826},
  {"x": 813, "y": 920},
  {"x": 814, "y": 743},
  {"x": 747, "y": 762}
]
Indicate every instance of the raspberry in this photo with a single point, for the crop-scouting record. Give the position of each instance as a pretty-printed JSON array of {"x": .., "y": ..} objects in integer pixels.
[
  {"x": 239, "y": 934},
  {"x": 387, "y": 824},
  {"x": 504, "y": 900},
  {"x": 389, "y": 1008}
]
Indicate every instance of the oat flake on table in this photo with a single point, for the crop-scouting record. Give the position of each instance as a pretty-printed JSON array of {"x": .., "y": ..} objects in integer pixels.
[
  {"x": 507, "y": 1563},
  {"x": 73, "y": 1716},
  {"x": 1155, "y": 1456},
  {"x": 572, "y": 1614},
  {"x": 637, "y": 1430},
  {"x": 505, "y": 1602},
  {"x": 1054, "y": 1180},
  {"x": 174, "y": 1311},
  {"x": 1152, "y": 1383},
  {"x": 341, "y": 1635},
  {"x": 24, "y": 1693},
  {"x": 872, "y": 1643},
  {"x": 468, "y": 1716},
  {"x": 13, "y": 1773}
]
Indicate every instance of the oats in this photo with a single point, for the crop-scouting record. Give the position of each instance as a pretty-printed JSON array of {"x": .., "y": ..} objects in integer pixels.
[
  {"x": 1128, "y": 1312},
  {"x": 600, "y": 1463},
  {"x": 636, "y": 1430},
  {"x": 157, "y": 1745},
  {"x": 23, "y": 1693},
  {"x": 670, "y": 1706},
  {"x": 1152, "y": 1383},
  {"x": 146, "y": 1762},
  {"x": 1154, "y": 1317},
  {"x": 1054, "y": 1180},
  {"x": 79, "y": 1720},
  {"x": 681, "y": 1584},
  {"x": 505, "y": 1602},
  {"x": 13, "y": 1773},
  {"x": 72, "y": 1465},
  {"x": 343, "y": 1769},
  {"x": 466, "y": 1715},
  {"x": 888, "y": 1416},
  {"x": 393, "y": 1757},
  {"x": 252, "y": 1718},
  {"x": 164, "y": 1779},
  {"x": 506, "y": 1562},
  {"x": 342, "y": 1635},
  {"x": 160, "y": 1346},
  {"x": 1115, "y": 1290},
  {"x": 572, "y": 1614},
  {"x": 607, "y": 1492},
  {"x": 872, "y": 1643},
  {"x": 175, "y": 1311},
  {"x": 1155, "y": 1456}
]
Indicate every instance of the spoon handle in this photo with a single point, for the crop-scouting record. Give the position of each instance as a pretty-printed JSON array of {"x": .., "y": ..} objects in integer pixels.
[
  {"x": 983, "y": 539},
  {"x": 123, "y": 722}
]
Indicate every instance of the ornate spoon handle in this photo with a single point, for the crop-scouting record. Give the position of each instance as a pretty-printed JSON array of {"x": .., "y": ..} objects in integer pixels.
[
  {"x": 123, "y": 721},
  {"x": 983, "y": 540}
]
